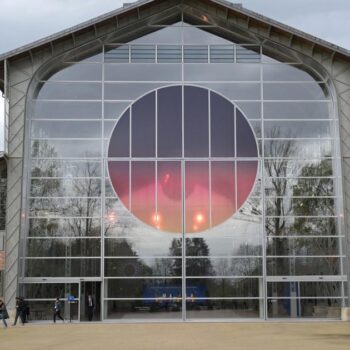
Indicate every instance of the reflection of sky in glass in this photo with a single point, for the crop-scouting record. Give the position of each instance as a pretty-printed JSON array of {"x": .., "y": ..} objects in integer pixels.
[{"x": 213, "y": 190}]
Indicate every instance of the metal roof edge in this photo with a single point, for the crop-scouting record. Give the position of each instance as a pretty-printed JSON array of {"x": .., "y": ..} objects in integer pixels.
[
  {"x": 225, "y": 3},
  {"x": 72, "y": 29},
  {"x": 283, "y": 26}
]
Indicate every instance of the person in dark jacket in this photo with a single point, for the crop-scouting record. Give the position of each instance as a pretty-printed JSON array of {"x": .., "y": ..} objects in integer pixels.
[
  {"x": 90, "y": 307},
  {"x": 3, "y": 313},
  {"x": 57, "y": 310},
  {"x": 20, "y": 311}
]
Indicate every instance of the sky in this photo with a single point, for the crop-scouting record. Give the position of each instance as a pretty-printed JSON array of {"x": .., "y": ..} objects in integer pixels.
[{"x": 24, "y": 21}]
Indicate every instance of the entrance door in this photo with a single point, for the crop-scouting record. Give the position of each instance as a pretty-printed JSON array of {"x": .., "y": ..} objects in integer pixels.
[
  {"x": 90, "y": 301},
  {"x": 304, "y": 296}
]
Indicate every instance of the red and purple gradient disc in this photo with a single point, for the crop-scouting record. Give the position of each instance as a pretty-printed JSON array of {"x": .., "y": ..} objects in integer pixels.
[{"x": 183, "y": 158}]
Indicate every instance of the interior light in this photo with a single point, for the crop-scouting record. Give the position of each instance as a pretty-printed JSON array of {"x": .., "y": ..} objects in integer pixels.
[
  {"x": 156, "y": 218},
  {"x": 199, "y": 218},
  {"x": 166, "y": 177},
  {"x": 111, "y": 216}
]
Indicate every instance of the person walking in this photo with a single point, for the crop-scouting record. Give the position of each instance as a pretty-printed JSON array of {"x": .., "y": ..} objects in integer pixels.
[
  {"x": 3, "y": 313},
  {"x": 20, "y": 311},
  {"x": 90, "y": 307},
  {"x": 57, "y": 310}
]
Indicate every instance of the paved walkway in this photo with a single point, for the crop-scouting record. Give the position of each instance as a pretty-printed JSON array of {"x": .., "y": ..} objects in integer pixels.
[{"x": 177, "y": 336}]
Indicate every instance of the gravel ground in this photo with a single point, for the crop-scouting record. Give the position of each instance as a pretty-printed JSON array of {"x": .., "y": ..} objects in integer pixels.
[{"x": 178, "y": 336}]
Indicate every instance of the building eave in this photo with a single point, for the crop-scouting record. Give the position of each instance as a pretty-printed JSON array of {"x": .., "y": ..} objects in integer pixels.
[{"x": 131, "y": 7}]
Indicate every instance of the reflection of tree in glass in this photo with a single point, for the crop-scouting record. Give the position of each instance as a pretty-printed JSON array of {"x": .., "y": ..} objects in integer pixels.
[
  {"x": 87, "y": 191},
  {"x": 132, "y": 266},
  {"x": 276, "y": 169},
  {"x": 309, "y": 206}
]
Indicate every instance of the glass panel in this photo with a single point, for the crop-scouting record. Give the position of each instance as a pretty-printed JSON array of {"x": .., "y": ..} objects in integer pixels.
[
  {"x": 246, "y": 177},
  {"x": 252, "y": 110},
  {"x": 220, "y": 309},
  {"x": 169, "y": 191},
  {"x": 139, "y": 267},
  {"x": 42, "y": 310},
  {"x": 65, "y": 168},
  {"x": 297, "y": 129},
  {"x": 223, "y": 266},
  {"x": 223, "y": 195},
  {"x": 304, "y": 289},
  {"x": 128, "y": 91},
  {"x": 143, "y": 191},
  {"x": 143, "y": 53},
  {"x": 119, "y": 176},
  {"x": 63, "y": 247},
  {"x": 221, "y": 72},
  {"x": 66, "y": 129},
  {"x": 246, "y": 144},
  {"x": 296, "y": 110},
  {"x": 304, "y": 149},
  {"x": 295, "y": 91},
  {"x": 246, "y": 241},
  {"x": 196, "y": 121},
  {"x": 113, "y": 110},
  {"x": 315, "y": 308},
  {"x": 300, "y": 206},
  {"x": 236, "y": 91},
  {"x": 143, "y": 72},
  {"x": 145, "y": 288},
  {"x": 66, "y": 109},
  {"x": 285, "y": 72},
  {"x": 143, "y": 126},
  {"x": 49, "y": 290},
  {"x": 64, "y": 227},
  {"x": 302, "y": 168},
  {"x": 119, "y": 144},
  {"x": 137, "y": 244},
  {"x": 66, "y": 149},
  {"x": 222, "y": 54},
  {"x": 169, "y": 53},
  {"x": 222, "y": 116},
  {"x": 62, "y": 267},
  {"x": 84, "y": 187},
  {"x": 166, "y": 34},
  {"x": 195, "y": 53},
  {"x": 197, "y": 196},
  {"x": 283, "y": 226},
  {"x": 78, "y": 72},
  {"x": 144, "y": 309},
  {"x": 169, "y": 122},
  {"x": 70, "y": 91},
  {"x": 300, "y": 266},
  {"x": 320, "y": 187},
  {"x": 250, "y": 54},
  {"x": 224, "y": 287},
  {"x": 70, "y": 207},
  {"x": 118, "y": 54},
  {"x": 303, "y": 246}
]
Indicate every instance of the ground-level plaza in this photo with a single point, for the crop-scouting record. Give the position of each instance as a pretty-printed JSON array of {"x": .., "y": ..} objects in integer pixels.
[{"x": 203, "y": 336}]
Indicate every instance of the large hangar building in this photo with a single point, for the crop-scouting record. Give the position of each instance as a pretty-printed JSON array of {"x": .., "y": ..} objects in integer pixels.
[{"x": 177, "y": 160}]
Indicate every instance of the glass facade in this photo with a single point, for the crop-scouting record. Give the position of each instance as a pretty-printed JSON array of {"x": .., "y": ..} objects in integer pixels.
[{"x": 183, "y": 176}]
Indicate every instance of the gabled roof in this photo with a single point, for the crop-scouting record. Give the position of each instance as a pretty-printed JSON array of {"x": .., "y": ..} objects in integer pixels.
[{"x": 238, "y": 8}]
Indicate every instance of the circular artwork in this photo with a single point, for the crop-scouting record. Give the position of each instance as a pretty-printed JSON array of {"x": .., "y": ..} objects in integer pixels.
[{"x": 183, "y": 158}]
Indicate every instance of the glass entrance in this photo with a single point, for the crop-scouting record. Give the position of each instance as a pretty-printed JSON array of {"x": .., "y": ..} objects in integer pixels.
[
  {"x": 193, "y": 165},
  {"x": 90, "y": 301}
]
